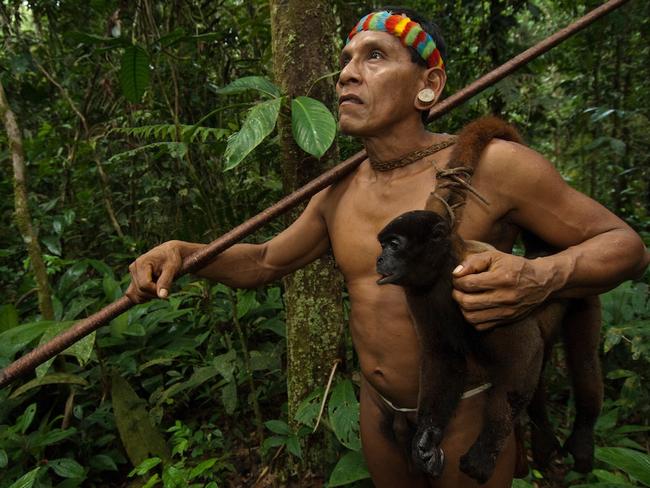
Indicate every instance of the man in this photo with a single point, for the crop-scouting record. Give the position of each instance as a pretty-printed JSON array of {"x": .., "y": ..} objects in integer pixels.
[{"x": 384, "y": 88}]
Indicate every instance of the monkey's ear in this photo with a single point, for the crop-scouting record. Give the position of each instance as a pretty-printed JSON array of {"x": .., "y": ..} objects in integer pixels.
[{"x": 440, "y": 231}]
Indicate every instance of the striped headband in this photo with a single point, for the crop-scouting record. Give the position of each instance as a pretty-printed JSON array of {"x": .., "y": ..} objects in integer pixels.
[{"x": 409, "y": 32}]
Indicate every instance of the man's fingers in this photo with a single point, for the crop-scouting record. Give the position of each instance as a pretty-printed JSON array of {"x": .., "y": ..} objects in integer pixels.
[
  {"x": 474, "y": 263},
  {"x": 164, "y": 283}
]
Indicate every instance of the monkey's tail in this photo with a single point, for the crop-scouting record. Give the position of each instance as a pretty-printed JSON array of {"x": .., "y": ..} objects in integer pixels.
[{"x": 454, "y": 180}]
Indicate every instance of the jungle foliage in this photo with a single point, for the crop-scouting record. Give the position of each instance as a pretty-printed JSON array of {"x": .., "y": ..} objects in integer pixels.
[{"x": 149, "y": 120}]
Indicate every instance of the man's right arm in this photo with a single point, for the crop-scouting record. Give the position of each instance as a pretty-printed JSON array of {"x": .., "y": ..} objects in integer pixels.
[{"x": 242, "y": 265}]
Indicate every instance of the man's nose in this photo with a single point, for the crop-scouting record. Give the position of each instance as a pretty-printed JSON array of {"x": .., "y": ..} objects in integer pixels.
[{"x": 349, "y": 74}]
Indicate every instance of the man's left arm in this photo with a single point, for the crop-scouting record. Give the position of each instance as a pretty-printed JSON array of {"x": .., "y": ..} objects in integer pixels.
[{"x": 600, "y": 250}]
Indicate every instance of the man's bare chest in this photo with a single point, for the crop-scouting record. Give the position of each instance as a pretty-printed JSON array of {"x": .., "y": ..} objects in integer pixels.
[{"x": 365, "y": 205}]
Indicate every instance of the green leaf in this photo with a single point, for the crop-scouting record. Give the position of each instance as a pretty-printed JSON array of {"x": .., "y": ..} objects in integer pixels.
[
  {"x": 50, "y": 379},
  {"x": 145, "y": 466},
  {"x": 53, "y": 244},
  {"x": 199, "y": 469},
  {"x": 245, "y": 83},
  {"x": 25, "y": 420},
  {"x": 134, "y": 73},
  {"x": 8, "y": 317},
  {"x": 102, "y": 462},
  {"x": 636, "y": 464},
  {"x": 259, "y": 123},
  {"x": 27, "y": 480},
  {"x": 15, "y": 339},
  {"x": 278, "y": 427},
  {"x": 229, "y": 397},
  {"x": 53, "y": 436},
  {"x": 293, "y": 446},
  {"x": 141, "y": 439},
  {"x": 67, "y": 468},
  {"x": 343, "y": 409},
  {"x": 350, "y": 468},
  {"x": 313, "y": 125},
  {"x": 81, "y": 349},
  {"x": 3, "y": 459},
  {"x": 273, "y": 441}
]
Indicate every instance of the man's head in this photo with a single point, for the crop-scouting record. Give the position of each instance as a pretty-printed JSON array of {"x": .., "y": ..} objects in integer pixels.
[{"x": 391, "y": 55}]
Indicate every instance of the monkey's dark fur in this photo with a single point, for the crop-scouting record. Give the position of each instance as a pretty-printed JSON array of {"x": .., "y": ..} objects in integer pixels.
[{"x": 419, "y": 252}]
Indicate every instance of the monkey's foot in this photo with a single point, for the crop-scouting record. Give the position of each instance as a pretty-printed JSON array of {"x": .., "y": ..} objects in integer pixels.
[
  {"x": 427, "y": 456},
  {"x": 544, "y": 445},
  {"x": 581, "y": 446},
  {"x": 478, "y": 464}
]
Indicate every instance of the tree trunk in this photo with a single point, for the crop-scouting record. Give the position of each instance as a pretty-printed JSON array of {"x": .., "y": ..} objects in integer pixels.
[
  {"x": 303, "y": 41},
  {"x": 23, "y": 217}
]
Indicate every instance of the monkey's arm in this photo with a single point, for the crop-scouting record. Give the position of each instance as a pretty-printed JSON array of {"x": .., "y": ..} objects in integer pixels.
[
  {"x": 600, "y": 250},
  {"x": 242, "y": 265}
]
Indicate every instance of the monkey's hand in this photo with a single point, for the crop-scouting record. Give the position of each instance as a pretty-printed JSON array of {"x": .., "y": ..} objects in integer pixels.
[
  {"x": 427, "y": 454},
  {"x": 493, "y": 287},
  {"x": 153, "y": 272}
]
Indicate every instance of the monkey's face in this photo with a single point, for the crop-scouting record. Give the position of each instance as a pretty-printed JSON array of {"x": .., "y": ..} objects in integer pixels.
[{"x": 412, "y": 247}]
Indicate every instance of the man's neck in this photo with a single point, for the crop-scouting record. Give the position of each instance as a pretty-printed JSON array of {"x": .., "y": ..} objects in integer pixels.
[{"x": 398, "y": 141}]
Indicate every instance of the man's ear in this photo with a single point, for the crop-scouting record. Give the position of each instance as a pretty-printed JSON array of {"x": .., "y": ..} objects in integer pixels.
[{"x": 433, "y": 79}]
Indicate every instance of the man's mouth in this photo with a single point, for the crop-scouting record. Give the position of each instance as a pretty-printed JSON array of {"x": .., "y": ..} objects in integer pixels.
[{"x": 350, "y": 100}]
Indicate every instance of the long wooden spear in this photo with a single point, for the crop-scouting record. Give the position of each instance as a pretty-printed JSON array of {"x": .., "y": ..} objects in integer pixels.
[{"x": 201, "y": 258}]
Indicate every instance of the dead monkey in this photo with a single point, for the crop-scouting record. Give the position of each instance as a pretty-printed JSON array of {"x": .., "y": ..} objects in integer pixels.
[{"x": 418, "y": 242}]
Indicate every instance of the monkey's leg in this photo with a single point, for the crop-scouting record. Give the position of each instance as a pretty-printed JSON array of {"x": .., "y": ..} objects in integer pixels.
[
  {"x": 544, "y": 443},
  {"x": 514, "y": 374},
  {"x": 581, "y": 328},
  {"x": 442, "y": 381}
]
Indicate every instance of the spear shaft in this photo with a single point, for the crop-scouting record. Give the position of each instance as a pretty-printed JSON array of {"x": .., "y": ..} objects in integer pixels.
[{"x": 201, "y": 258}]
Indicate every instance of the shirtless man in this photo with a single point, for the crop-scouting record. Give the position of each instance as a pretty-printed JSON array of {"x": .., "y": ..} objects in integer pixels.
[{"x": 378, "y": 89}]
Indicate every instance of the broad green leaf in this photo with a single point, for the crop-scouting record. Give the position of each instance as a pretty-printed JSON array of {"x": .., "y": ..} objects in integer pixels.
[
  {"x": 308, "y": 410},
  {"x": 3, "y": 459},
  {"x": 259, "y": 123},
  {"x": 8, "y": 317},
  {"x": 245, "y": 83},
  {"x": 636, "y": 464},
  {"x": 343, "y": 409},
  {"x": 350, "y": 468},
  {"x": 53, "y": 244},
  {"x": 517, "y": 483},
  {"x": 50, "y": 379},
  {"x": 27, "y": 480},
  {"x": 278, "y": 427},
  {"x": 313, "y": 125},
  {"x": 140, "y": 438},
  {"x": 199, "y": 377},
  {"x": 15, "y": 339},
  {"x": 273, "y": 441},
  {"x": 134, "y": 73},
  {"x": 67, "y": 468},
  {"x": 81, "y": 349},
  {"x": 174, "y": 477}
]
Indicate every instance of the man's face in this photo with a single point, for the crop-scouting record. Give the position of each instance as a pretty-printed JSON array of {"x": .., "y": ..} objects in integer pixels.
[{"x": 377, "y": 85}]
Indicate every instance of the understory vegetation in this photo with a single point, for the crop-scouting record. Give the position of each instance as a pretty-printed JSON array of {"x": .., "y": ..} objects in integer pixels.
[{"x": 146, "y": 121}]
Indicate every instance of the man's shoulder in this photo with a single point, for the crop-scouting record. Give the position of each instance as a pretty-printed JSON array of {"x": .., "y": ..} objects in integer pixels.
[{"x": 511, "y": 163}]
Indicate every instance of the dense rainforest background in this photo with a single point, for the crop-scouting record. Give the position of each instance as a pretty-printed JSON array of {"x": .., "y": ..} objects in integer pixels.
[{"x": 129, "y": 123}]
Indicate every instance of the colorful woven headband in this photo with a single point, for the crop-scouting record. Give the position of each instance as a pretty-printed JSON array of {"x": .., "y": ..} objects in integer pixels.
[{"x": 410, "y": 33}]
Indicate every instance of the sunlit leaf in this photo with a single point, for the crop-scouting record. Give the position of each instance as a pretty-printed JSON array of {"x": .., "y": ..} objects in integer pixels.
[
  {"x": 67, "y": 468},
  {"x": 313, "y": 125},
  {"x": 343, "y": 409},
  {"x": 259, "y": 123},
  {"x": 27, "y": 480},
  {"x": 636, "y": 464}
]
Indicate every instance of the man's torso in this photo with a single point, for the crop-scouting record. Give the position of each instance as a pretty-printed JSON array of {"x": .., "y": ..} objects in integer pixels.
[{"x": 355, "y": 210}]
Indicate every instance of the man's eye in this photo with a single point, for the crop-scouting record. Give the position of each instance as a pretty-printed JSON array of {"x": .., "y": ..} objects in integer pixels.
[{"x": 374, "y": 54}]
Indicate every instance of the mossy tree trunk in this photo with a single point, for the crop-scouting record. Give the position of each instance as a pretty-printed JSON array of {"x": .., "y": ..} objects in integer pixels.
[
  {"x": 303, "y": 37},
  {"x": 23, "y": 217}
]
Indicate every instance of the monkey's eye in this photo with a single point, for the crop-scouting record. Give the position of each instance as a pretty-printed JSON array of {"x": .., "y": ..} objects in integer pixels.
[{"x": 394, "y": 244}]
